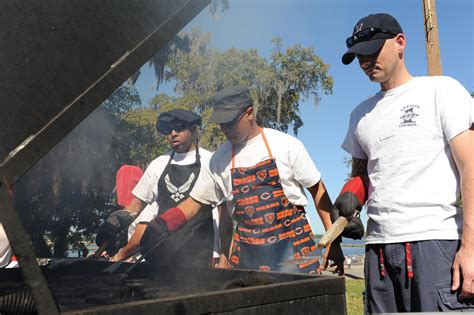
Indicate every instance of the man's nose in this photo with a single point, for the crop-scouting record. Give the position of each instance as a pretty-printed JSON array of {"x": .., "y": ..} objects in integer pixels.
[{"x": 173, "y": 133}]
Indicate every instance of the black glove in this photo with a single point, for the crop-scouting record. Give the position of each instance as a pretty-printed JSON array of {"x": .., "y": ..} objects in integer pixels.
[
  {"x": 156, "y": 232},
  {"x": 354, "y": 229},
  {"x": 345, "y": 205},
  {"x": 107, "y": 233},
  {"x": 109, "y": 230},
  {"x": 351, "y": 199}
]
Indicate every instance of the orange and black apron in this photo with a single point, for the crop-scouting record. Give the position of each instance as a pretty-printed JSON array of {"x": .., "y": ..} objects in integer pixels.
[{"x": 270, "y": 229}]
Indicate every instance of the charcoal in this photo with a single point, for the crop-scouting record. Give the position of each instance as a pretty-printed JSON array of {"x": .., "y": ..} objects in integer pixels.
[
  {"x": 102, "y": 297},
  {"x": 137, "y": 283}
]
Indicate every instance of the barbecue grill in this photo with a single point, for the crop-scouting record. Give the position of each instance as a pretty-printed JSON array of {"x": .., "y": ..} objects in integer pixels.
[
  {"x": 60, "y": 60},
  {"x": 80, "y": 287}
]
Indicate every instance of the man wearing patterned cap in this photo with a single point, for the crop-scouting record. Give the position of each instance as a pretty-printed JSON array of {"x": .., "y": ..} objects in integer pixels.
[{"x": 167, "y": 181}]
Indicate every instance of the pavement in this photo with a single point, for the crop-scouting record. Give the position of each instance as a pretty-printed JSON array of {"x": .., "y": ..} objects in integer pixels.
[{"x": 355, "y": 271}]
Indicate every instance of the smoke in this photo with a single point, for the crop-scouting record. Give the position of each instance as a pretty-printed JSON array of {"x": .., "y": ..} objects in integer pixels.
[
  {"x": 87, "y": 152},
  {"x": 63, "y": 198}
]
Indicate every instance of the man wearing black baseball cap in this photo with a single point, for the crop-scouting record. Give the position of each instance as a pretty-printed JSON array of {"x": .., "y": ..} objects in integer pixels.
[
  {"x": 261, "y": 172},
  {"x": 166, "y": 182},
  {"x": 369, "y": 35},
  {"x": 412, "y": 160}
]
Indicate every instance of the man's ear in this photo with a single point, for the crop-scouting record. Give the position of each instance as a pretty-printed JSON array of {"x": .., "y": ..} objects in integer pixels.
[
  {"x": 251, "y": 112},
  {"x": 401, "y": 43}
]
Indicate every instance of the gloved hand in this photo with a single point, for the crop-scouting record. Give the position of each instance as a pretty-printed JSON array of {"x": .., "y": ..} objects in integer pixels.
[
  {"x": 350, "y": 200},
  {"x": 159, "y": 228},
  {"x": 156, "y": 231},
  {"x": 354, "y": 229},
  {"x": 109, "y": 230}
]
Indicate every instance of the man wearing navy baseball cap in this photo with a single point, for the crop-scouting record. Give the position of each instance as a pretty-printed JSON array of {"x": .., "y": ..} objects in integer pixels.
[
  {"x": 412, "y": 160},
  {"x": 229, "y": 104}
]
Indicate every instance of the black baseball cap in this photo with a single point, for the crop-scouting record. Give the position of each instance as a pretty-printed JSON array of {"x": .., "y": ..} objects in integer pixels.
[
  {"x": 370, "y": 34},
  {"x": 229, "y": 103},
  {"x": 176, "y": 119}
]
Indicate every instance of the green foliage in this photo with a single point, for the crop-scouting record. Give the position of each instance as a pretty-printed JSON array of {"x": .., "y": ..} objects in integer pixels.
[{"x": 354, "y": 297}]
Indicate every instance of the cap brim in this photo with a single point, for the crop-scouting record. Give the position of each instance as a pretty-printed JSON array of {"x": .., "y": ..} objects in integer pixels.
[
  {"x": 363, "y": 48},
  {"x": 224, "y": 116}
]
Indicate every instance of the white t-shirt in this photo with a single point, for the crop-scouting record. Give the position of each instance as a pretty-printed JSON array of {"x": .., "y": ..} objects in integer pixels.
[
  {"x": 147, "y": 214},
  {"x": 147, "y": 187},
  {"x": 217, "y": 239},
  {"x": 5, "y": 249},
  {"x": 404, "y": 134},
  {"x": 295, "y": 167}
]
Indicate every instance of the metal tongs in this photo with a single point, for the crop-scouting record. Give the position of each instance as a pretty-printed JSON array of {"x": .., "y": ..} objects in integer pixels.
[
  {"x": 315, "y": 255},
  {"x": 116, "y": 265}
]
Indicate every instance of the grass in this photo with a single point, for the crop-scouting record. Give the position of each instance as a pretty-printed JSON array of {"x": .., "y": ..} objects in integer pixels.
[{"x": 354, "y": 301}]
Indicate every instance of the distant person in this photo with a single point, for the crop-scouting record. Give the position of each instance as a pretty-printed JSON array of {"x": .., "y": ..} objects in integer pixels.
[
  {"x": 348, "y": 262},
  {"x": 412, "y": 147},
  {"x": 167, "y": 181},
  {"x": 262, "y": 173}
]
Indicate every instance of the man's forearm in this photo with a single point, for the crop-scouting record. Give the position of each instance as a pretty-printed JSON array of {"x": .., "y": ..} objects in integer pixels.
[
  {"x": 226, "y": 228},
  {"x": 190, "y": 207},
  {"x": 322, "y": 203},
  {"x": 136, "y": 206},
  {"x": 467, "y": 193},
  {"x": 462, "y": 147},
  {"x": 132, "y": 244}
]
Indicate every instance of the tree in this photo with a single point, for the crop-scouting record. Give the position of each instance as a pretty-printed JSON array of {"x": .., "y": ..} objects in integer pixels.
[
  {"x": 278, "y": 85},
  {"x": 179, "y": 44}
]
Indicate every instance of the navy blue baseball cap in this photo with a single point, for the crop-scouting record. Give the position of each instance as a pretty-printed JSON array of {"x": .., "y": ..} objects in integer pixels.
[
  {"x": 369, "y": 35},
  {"x": 177, "y": 119}
]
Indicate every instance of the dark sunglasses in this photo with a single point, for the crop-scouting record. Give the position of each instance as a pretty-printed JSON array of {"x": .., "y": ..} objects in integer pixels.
[
  {"x": 365, "y": 35},
  {"x": 166, "y": 130}
]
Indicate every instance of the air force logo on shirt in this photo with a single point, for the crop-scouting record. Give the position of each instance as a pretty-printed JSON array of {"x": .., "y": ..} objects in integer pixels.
[
  {"x": 177, "y": 193},
  {"x": 409, "y": 114}
]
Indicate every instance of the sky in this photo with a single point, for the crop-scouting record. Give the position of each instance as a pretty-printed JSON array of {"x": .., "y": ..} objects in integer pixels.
[{"x": 324, "y": 25}]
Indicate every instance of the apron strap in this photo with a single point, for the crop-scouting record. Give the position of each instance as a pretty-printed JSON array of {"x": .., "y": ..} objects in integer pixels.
[
  {"x": 266, "y": 145},
  {"x": 171, "y": 158}
]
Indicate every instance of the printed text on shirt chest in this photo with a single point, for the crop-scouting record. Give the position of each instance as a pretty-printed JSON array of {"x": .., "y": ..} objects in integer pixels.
[{"x": 409, "y": 116}]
